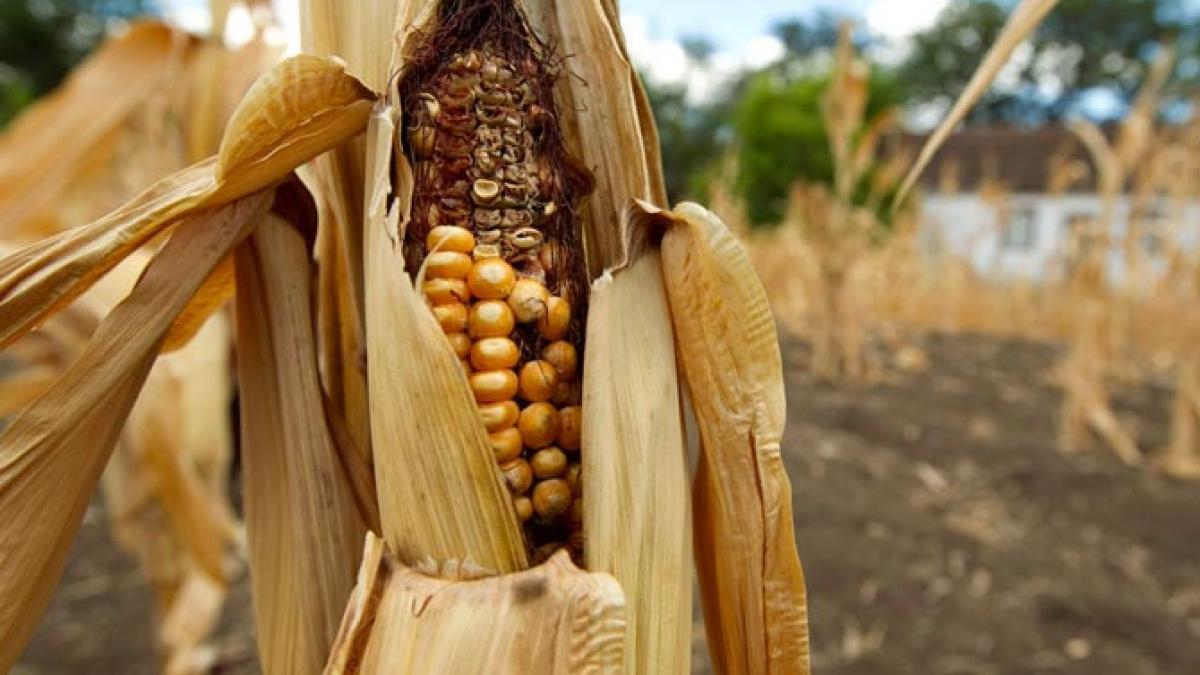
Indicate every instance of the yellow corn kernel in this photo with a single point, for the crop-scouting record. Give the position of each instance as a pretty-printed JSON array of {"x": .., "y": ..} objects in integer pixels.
[
  {"x": 490, "y": 318},
  {"x": 518, "y": 474},
  {"x": 450, "y": 238},
  {"x": 495, "y": 352},
  {"x": 563, "y": 356},
  {"x": 460, "y": 343},
  {"x": 548, "y": 462},
  {"x": 506, "y": 444},
  {"x": 499, "y": 415},
  {"x": 570, "y": 427},
  {"x": 551, "y": 498},
  {"x": 556, "y": 320},
  {"x": 448, "y": 265},
  {"x": 538, "y": 424},
  {"x": 539, "y": 381},
  {"x": 528, "y": 300},
  {"x": 452, "y": 316},
  {"x": 444, "y": 291},
  {"x": 524, "y": 507},
  {"x": 491, "y": 386},
  {"x": 492, "y": 279}
]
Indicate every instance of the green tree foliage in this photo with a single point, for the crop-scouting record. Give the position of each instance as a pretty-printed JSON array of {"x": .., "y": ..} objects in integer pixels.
[
  {"x": 1081, "y": 46},
  {"x": 781, "y": 137},
  {"x": 41, "y": 40}
]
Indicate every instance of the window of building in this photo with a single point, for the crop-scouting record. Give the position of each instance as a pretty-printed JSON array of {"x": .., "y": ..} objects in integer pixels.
[{"x": 1020, "y": 230}]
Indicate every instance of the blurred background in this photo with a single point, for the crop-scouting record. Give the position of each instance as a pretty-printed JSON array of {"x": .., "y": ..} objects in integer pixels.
[{"x": 994, "y": 387}]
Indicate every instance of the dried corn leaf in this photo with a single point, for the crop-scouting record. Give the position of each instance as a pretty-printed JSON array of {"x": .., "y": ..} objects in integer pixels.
[
  {"x": 1024, "y": 19},
  {"x": 301, "y": 520},
  {"x": 750, "y": 577},
  {"x": 21, "y": 388},
  {"x": 441, "y": 499},
  {"x": 43, "y": 150},
  {"x": 301, "y": 108},
  {"x": 551, "y": 619},
  {"x": 52, "y": 454},
  {"x": 217, "y": 290},
  {"x": 637, "y": 512}
]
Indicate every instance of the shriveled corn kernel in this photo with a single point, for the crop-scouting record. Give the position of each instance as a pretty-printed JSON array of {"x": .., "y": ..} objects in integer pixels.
[
  {"x": 551, "y": 498},
  {"x": 460, "y": 343},
  {"x": 538, "y": 424},
  {"x": 566, "y": 393},
  {"x": 444, "y": 291},
  {"x": 499, "y": 415},
  {"x": 548, "y": 462},
  {"x": 506, "y": 444},
  {"x": 491, "y": 386},
  {"x": 518, "y": 474},
  {"x": 574, "y": 471},
  {"x": 452, "y": 316},
  {"x": 450, "y": 238},
  {"x": 528, "y": 300},
  {"x": 563, "y": 356},
  {"x": 554, "y": 323},
  {"x": 492, "y": 279},
  {"x": 448, "y": 265},
  {"x": 539, "y": 380},
  {"x": 495, "y": 352},
  {"x": 524, "y": 507},
  {"x": 570, "y": 427},
  {"x": 490, "y": 318}
]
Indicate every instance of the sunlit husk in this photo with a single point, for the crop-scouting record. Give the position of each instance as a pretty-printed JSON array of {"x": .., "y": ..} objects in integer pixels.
[
  {"x": 52, "y": 454},
  {"x": 301, "y": 521},
  {"x": 750, "y": 576},
  {"x": 551, "y": 619},
  {"x": 637, "y": 513},
  {"x": 266, "y": 140},
  {"x": 441, "y": 500}
]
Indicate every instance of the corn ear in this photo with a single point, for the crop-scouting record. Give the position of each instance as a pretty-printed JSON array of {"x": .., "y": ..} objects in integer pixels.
[
  {"x": 52, "y": 454},
  {"x": 441, "y": 500},
  {"x": 637, "y": 514},
  {"x": 551, "y": 619},
  {"x": 750, "y": 576},
  {"x": 301, "y": 523}
]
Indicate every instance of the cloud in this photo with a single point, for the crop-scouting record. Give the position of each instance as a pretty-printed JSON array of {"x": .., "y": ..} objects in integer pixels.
[{"x": 896, "y": 19}]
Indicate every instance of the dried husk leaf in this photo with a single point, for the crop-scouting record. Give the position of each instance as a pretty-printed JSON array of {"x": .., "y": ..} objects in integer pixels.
[
  {"x": 21, "y": 388},
  {"x": 267, "y": 138},
  {"x": 52, "y": 454},
  {"x": 551, "y": 619},
  {"x": 1024, "y": 19},
  {"x": 302, "y": 524},
  {"x": 217, "y": 290},
  {"x": 441, "y": 499},
  {"x": 43, "y": 150},
  {"x": 637, "y": 512},
  {"x": 751, "y": 582}
]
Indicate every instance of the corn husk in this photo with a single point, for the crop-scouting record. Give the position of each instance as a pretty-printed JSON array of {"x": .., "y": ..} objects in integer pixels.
[
  {"x": 301, "y": 521},
  {"x": 751, "y": 582},
  {"x": 550, "y": 619},
  {"x": 302, "y": 107},
  {"x": 442, "y": 502},
  {"x": 637, "y": 515},
  {"x": 52, "y": 454}
]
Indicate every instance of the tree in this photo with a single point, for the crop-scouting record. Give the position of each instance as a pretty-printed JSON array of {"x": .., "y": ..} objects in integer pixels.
[
  {"x": 781, "y": 137},
  {"x": 1083, "y": 45},
  {"x": 41, "y": 40}
]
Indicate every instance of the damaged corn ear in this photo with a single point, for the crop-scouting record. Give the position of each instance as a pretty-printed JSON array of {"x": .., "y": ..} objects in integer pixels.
[{"x": 751, "y": 582}]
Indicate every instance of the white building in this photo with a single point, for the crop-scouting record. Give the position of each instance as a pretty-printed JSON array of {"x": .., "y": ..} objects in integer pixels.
[{"x": 988, "y": 199}]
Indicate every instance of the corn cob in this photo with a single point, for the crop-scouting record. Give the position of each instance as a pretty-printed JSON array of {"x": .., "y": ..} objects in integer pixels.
[{"x": 493, "y": 232}]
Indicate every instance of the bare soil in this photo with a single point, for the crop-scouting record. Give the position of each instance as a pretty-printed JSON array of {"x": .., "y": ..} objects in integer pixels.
[{"x": 941, "y": 528}]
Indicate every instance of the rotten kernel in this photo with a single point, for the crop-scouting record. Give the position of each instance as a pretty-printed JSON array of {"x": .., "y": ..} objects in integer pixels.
[
  {"x": 548, "y": 462},
  {"x": 562, "y": 355},
  {"x": 570, "y": 423},
  {"x": 491, "y": 386},
  {"x": 528, "y": 300},
  {"x": 524, "y": 507},
  {"x": 551, "y": 498},
  {"x": 518, "y": 474}
]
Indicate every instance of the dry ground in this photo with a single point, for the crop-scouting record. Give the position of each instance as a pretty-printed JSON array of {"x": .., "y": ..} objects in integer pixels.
[{"x": 941, "y": 532}]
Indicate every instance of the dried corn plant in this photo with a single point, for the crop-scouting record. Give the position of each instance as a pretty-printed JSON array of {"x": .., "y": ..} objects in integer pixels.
[{"x": 522, "y": 320}]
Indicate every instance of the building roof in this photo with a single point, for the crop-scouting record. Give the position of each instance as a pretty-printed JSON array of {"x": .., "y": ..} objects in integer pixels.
[{"x": 1019, "y": 159}]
